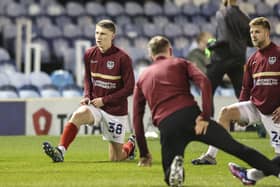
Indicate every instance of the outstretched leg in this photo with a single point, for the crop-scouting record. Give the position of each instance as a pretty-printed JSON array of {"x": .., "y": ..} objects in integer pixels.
[{"x": 225, "y": 142}]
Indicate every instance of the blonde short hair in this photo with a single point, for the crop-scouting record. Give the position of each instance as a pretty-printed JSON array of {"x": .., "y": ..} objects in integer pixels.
[
  {"x": 158, "y": 44},
  {"x": 260, "y": 21},
  {"x": 107, "y": 24}
]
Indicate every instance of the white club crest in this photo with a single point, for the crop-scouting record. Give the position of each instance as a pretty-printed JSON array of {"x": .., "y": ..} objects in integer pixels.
[
  {"x": 272, "y": 59},
  {"x": 110, "y": 64}
]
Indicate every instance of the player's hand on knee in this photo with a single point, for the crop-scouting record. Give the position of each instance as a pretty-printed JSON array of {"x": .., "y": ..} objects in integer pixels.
[
  {"x": 145, "y": 161},
  {"x": 201, "y": 126},
  {"x": 276, "y": 115}
]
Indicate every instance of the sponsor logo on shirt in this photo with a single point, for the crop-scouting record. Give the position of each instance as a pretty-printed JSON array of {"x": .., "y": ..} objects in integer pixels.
[
  {"x": 110, "y": 64},
  {"x": 106, "y": 85},
  {"x": 266, "y": 82},
  {"x": 272, "y": 60}
]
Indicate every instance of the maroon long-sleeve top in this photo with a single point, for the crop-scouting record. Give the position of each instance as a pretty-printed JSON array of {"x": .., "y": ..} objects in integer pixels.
[
  {"x": 165, "y": 86},
  {"x": 261, "y": 80},
  {"x": 109, "y": 75}
]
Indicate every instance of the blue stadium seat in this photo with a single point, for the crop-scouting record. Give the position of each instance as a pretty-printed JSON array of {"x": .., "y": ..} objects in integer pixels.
[
  {"x": 18, "y": 79},
  {"x": 8, "y": 92},
  {"x": 39, "y": 79},
  {"x": 46, "y": 3},
  {"x": 209, "y": 27},
  {"x": 8, "y": 66},
  {"x": 123, "y": 42},
  {"x": 151, "y": 30},
  {"x": 137, "y": 53},
  {"x": 171, "y": 9},
  {"x": 191, "y": 29},
  {"x": 51, "y": 31},
  {"x": 199, "y": 19},
  {"x": 181, "y": 19},
  {"x": 151, "y": 8},
  {"x": 88, "y": 31},
  {"x": 50, "y": 91},
  {"x": 141, "y": 20},
  {"x": 123, "y": 20},
  {"x": 133, "y": 8},
  {"x": 34, "y": 9},
  {"x": 74, "y": 9},
  {"x": 94, "y": 9},
  {"x": 55, "y": 9},
  {"x": 15, "y": 10},
  {"x": 84, "y": 20},
  {"x": 4, "y": 80},
  {"x": 42, "y": 21},
  {"x": 4, "y": 54},
  {"x": 161, "y": 21},
  {"x": 172, "y": 30},
  {"x": 190, "y": 9},
  {"x": 72, "y": 31},
  {"x": 28, "y": 91},
  {"x": 71, "y": 90},
  {"x": 141, "y": 42},
  {"x": 61, "y": 78},
  {"x": 63, "y": 20},
  {"x": 181, "y": 42},
  {"x": 132, "y": 30},
  {"x": 114, "y": 8}
]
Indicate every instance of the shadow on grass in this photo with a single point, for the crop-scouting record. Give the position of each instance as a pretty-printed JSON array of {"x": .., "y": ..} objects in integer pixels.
[
  {"x": 106, "y": 161},
  {"x": 88, "y": 162}
]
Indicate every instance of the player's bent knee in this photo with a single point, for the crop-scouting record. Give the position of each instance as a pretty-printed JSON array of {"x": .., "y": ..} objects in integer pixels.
[
  {"x": 227, "y": 113},
  {"x": 81, "y": 116}
]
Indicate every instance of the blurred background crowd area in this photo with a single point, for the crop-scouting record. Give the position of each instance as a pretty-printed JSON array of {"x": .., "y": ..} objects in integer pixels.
[{"x": 58, "y": 24}]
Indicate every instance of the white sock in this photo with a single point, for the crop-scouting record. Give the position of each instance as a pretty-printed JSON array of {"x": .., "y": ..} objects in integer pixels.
[
  {"x": 212, "y": 151},
  {"x": 62, "y": 149},
  {"x": 254, "y": 174}
]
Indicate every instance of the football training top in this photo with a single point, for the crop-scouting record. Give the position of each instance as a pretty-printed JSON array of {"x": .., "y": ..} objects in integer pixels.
[
  {"x": 109, "y": 75},
  {"x": 165, "y": 85},
  {"x": 261, "y": 81}
]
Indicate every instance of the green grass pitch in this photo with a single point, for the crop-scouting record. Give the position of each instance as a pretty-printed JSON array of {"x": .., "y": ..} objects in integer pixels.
[{"x": 23, "y": 163}]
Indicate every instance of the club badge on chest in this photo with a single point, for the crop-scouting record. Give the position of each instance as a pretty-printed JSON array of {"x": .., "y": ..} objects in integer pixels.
[
  {"x": 272, "y": 59},
  {"x": 110, "y": 64}
]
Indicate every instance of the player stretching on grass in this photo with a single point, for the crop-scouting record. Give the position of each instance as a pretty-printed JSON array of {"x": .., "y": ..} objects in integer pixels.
[
  {"x": 165, "y": 86},
  {"x": 259, "y": 97},
  {"x": 109, "y": 80}
]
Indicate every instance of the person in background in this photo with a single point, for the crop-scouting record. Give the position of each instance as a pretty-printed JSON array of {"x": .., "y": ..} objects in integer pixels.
[
  {"x": 165, "y": 86},
  {"x": 109, "y": 80},
  {"x": 197, "y": 55}
]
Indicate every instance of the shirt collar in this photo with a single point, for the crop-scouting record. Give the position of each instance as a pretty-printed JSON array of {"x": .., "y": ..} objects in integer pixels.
[{"x": 161, "y": 57}]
